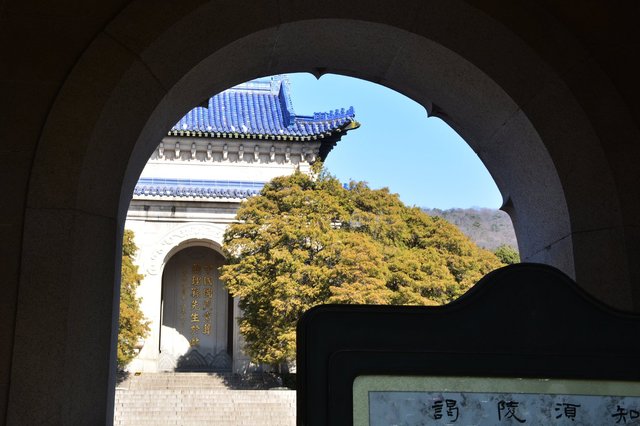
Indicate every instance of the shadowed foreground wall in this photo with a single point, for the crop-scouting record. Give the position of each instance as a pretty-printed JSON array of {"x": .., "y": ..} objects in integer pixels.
[{"x": 545, "y": 92}]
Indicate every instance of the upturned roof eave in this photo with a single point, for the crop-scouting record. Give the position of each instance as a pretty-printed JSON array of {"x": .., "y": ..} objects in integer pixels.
[{"x": 327, "y": 144}]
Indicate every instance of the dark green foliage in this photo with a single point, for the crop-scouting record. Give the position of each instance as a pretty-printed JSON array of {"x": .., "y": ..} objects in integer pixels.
[
  {"x": 306, "y": 241},
  {"x": 507, "y": 255}
]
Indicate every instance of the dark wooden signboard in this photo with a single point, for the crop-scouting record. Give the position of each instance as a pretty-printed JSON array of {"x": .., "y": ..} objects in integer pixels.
[{"x": 521, "y": 321}]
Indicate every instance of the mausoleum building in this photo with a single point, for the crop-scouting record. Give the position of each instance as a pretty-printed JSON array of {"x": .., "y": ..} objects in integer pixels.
[{"x": 215, "y": 157}]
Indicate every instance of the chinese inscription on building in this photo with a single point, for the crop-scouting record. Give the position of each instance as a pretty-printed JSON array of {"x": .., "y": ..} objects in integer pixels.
[{"x": 199, "y": 300}]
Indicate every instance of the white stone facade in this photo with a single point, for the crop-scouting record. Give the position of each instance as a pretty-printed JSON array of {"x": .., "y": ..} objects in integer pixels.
[
  {"x": 215, "y": 157},
  {"x": 164, "y": 225}
]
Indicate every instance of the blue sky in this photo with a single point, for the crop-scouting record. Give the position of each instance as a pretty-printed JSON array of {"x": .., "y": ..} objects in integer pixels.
[{"x": 397, "y": 146}]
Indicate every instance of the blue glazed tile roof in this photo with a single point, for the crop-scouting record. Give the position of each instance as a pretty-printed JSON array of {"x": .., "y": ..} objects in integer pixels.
[
  {"x": 261, "y": 108},
  {"x": 197, "y": 188}
]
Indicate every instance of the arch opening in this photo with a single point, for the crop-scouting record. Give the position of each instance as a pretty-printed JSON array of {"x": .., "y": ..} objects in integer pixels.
[
  {"x": 178, "y": 200},
  {"x": 525, "y": 125},
  {"x": 194, "y": 313},
  {"x": 446, "y": 84}
]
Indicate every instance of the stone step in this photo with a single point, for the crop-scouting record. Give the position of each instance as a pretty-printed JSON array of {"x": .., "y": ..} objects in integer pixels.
[
  {"x": 199, "y": 380},
  {"x": 202, "y": 398}
]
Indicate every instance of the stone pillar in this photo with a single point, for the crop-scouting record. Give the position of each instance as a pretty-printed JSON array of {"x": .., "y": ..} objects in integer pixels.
[
  {"x": 150, "y": 290},
  {"x": 66, "y": 320}
]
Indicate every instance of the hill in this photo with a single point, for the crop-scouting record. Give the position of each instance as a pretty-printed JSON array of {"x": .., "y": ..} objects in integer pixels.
[{"x": 488, "y": 228}]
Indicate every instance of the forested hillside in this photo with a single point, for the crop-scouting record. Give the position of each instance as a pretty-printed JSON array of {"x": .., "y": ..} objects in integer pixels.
[{"x": 488, "y": 228}]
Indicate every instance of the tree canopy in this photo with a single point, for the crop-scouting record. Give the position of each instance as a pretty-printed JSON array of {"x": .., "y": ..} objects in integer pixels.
[
  {"x": 507, "y": 254},
  {"x": 133, "y": 325},
  {"x": 307, "y": 240}
]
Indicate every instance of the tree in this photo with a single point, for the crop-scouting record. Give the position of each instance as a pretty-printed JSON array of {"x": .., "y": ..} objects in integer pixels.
[
  {"x": 133, "y": 325},
  {"x": 507, "y": 254},
  {"x": 306, "y": 240}
]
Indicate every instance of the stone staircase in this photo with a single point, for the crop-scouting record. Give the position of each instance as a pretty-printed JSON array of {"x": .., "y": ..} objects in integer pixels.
[{"x": 203, "y": 398}]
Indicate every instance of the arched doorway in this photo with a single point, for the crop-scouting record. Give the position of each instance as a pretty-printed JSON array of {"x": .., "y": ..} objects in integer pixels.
[
  {"x": 196, "y": 319},
  {"x": 515, "y": 99}
]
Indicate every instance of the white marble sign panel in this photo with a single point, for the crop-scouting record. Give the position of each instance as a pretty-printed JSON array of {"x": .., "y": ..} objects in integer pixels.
[{"x": 417, "y": 401}]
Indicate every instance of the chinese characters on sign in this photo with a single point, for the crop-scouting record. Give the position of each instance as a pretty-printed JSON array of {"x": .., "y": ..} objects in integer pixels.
[
  {"x": 480, "y": 408},
  {"x": 567, "y": 410},
  {"x": 507, "y": 410},
  {"x": 452, "y": 409},
  {"x": 622, "y": 414},
  {"x": 201, "y": 301}
]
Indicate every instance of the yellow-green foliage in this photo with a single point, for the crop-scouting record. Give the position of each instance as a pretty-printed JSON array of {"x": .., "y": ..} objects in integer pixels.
[
  {"x": 507, "y": 254},
  {"x": 306, "y": 241},
  {"x": 133, "y": 325}
]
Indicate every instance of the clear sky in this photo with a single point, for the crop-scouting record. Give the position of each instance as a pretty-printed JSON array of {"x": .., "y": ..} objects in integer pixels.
[{"x": 397, "y": 146}]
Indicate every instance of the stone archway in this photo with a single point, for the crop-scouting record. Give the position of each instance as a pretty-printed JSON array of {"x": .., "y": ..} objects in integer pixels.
[
  {"x": 509, "y": 125},
  {"x": 194, "y": 318},
  {"x": 201, "y": 234},
  {"x": 522, "y": 107},
  {"x": 154, "y": 254}
]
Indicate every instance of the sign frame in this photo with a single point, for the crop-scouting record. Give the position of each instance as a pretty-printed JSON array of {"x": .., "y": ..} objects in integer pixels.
[{"x": 521, "y": 321}]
